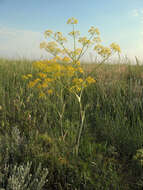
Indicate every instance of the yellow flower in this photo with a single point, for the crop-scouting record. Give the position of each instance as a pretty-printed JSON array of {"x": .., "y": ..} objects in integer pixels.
[
  {"x": 52, "y": 44},
  {"x": 44, "y": 85},
  {"x": 90, "y": 80},
  {"x": 25, "y": 77},
  {"x": 39, "y": 86},
  {"x": 93, "y": 31},
  {"x": 74, "y": 33},
  {"x": 77, "y": 85},
  {"x": 77, "y": 63},
  {"x": 84, "y": 41},
  {"x": 42, "y": 95},
  {"x": 98, "y": 47},
  {"x": 70, "y": 70},
  {"x": 115, "y": 47},
  {"x": 42, "y": 75},
  {"x": 75, "y": 89},
  {"x": 33, "y": 83},
  {"x": 80, "y": 70},
  {"x": 103, "y": 51},
  {"x": 29, "y": 75},
  {"x": 97, "y": 39},
  {"x": 97, "y": 31},
  {"x": 78, "y": 81},
  {"x": 50, "y": 91},
  {"x": 77, "y": 51},
  {"x": 57, "y": 58},
  {"x": 48, "y": 80},
  {"x": 59, "y": 37},
  {"x": 66, "y": 59},
  {"x": 51, "y": 47},
  {"x": 48, "y": 33},
  {"x": 72, "y": 21},
  {"x": 43, "y": 45},
  {"x": 65, "y": 51}
]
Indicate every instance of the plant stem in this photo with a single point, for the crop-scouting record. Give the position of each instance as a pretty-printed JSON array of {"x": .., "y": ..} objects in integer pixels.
[
  {"x": 82, "y": 118},
  {"x": 74, "y": 44}
]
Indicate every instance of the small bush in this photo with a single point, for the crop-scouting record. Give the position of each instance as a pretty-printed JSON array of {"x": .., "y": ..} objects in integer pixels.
[{"x": 14, "y": 177}]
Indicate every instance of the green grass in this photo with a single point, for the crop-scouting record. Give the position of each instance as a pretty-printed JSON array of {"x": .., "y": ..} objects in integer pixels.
[{"x": 113, "y": 130}]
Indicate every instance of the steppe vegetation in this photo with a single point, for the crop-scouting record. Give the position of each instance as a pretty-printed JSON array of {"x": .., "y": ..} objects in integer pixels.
[{"x": 66, "y": 125}]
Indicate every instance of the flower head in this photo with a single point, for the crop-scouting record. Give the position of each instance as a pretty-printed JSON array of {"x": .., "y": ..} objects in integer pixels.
[
  {"x": 42, "y": 95},
  {"x": 84, "y": 41},
  {"x": 66, "y": 59},
  {"x": 48, "y": 33},
  {"x": 115, "y": 47},
  {"x": 43, "y": 45},
  {"x": 72, "y": 21},
  {"x": 74, "y": 33},
  {"x": 90, "y": 80},
  {"x": 97, "y": 39},
  {"x": 59, "y": 37},
  {"x": 93, "y": 31},
  {"x": 50, "y": 91},
  {"x": 103, "y": 51}
]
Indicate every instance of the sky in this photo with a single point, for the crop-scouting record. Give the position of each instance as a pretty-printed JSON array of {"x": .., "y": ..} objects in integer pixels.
[{"x": 23, "y": 22}]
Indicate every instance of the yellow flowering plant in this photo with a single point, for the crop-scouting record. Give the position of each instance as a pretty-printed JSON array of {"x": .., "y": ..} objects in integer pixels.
[{"x": 64, "y": 71}]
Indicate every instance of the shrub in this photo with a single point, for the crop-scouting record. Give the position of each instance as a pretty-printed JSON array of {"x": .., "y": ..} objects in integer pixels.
[{"x": 14, "y": 177}]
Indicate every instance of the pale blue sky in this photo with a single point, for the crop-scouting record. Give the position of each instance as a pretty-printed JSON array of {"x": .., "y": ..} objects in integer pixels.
[{"x": 22, "y": 23}]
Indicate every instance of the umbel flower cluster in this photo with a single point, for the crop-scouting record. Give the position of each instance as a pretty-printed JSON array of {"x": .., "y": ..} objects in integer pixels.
[
  {"x": 61, "y": 72},
  {"x": 64, "y": 68}
]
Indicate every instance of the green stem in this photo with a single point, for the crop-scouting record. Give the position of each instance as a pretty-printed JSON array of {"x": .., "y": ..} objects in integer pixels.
[
  {"x": 61, "y": 113},
  {"x": 83, "y": 51},
  {"x": 74, "y": 57},
  {"x": 61, "y": 44},
  {"x": 80, "y": 132},
  {"x": 92, "y": 72},
  {"x": 82, "y": 118}
]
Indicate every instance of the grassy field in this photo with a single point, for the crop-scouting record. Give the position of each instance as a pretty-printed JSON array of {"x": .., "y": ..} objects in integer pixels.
[{"x": 111, "y": 148}]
